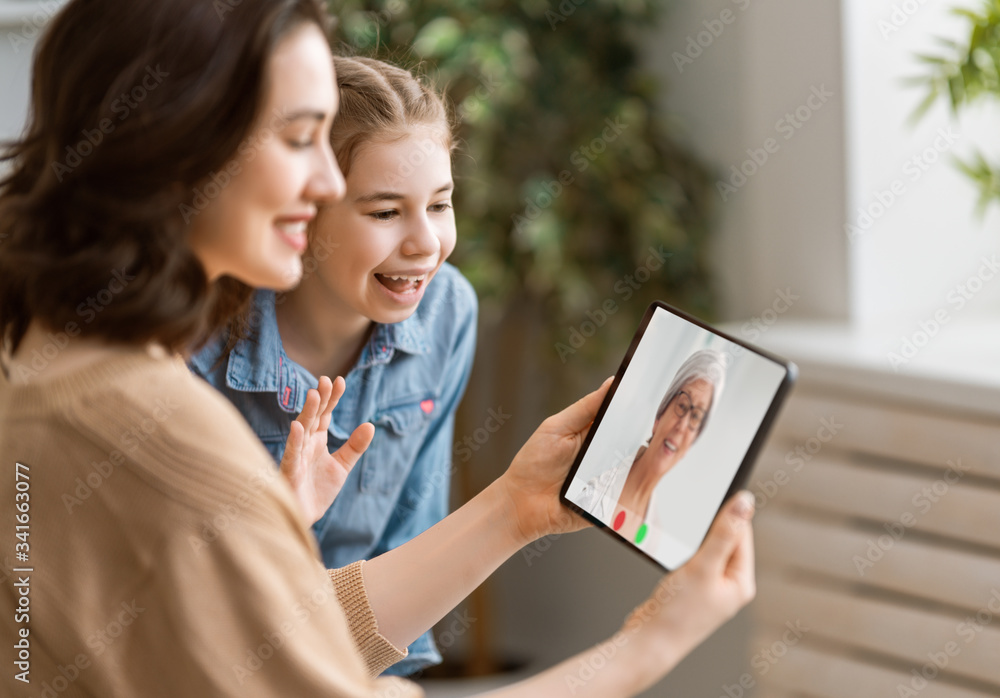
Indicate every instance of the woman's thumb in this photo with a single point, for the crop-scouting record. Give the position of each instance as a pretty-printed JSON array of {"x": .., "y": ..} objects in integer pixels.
[{"x": 727, "y": 529}]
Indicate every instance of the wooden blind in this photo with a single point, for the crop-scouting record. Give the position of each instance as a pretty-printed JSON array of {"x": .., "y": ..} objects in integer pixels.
[{"x": 878, "y": 539}]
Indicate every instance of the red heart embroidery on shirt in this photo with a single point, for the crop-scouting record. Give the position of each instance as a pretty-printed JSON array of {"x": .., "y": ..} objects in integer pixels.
[{"x": 427, "y": 406}]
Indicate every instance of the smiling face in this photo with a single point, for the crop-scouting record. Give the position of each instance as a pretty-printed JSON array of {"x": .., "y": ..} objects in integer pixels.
[
  {"x": 254, "y": 227},
  {"x": 391, "y": 232},
  {"x": 673, "y": 434}
]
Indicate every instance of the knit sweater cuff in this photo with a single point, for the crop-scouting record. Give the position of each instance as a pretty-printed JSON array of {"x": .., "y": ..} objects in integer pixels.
[{"x": 378, "y": 653}]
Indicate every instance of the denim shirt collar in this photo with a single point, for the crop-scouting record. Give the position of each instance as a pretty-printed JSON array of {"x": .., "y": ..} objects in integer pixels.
[{"x": 261, "y": 365}]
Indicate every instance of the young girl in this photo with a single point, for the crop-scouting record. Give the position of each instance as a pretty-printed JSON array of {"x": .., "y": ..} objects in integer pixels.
[
  {"x": 158, "y": 553},
  {"x": 378, "y": 305}
]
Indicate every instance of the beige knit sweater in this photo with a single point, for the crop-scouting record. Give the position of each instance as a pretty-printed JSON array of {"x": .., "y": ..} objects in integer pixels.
[{"x": 166, "y": 555}]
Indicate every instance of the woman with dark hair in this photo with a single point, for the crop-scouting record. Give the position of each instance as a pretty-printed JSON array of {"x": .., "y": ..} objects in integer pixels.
[{"x": 157, "y": 553}]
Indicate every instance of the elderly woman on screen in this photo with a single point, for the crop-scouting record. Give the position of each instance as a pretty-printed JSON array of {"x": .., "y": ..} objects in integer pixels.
[{"x": 623, "y": 495}]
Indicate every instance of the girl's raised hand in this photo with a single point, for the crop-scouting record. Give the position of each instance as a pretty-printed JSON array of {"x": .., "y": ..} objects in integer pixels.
[{"x": 316, "y": 475}]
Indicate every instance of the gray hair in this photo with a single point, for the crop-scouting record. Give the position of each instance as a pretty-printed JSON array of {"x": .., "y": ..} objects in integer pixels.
[{"x": 705, "y": 364}]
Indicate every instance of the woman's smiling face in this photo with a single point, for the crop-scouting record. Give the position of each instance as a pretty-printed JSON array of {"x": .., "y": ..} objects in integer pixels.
[
  {"x": 254, "y": 227},
  {"x": 393, "y": 229},
  {"x": 673, "y": 433}
]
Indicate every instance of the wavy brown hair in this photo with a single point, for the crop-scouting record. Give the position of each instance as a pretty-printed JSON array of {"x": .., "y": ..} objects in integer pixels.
[{"x": 133, "y": 106}]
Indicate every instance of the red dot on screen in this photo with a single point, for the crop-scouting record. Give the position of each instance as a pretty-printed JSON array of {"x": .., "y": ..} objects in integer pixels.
[{"x": 619, "y": 520}]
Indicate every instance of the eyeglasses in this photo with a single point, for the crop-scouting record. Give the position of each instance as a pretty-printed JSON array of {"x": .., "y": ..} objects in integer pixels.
[{"x": 683, "y": 407}]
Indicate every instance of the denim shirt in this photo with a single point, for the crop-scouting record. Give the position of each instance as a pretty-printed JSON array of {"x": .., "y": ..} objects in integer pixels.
[{"x": 407, "y": 381}]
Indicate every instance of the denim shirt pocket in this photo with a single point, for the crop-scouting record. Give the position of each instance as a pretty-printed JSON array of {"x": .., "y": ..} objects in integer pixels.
[
  {"x": 275, "y": 445},
  {"x": 399, "y": 433},
  {"x": 265, "y": 418}
]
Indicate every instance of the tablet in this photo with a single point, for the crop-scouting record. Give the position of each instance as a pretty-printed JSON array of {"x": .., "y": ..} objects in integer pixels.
[{"x": 677, "y": 434}]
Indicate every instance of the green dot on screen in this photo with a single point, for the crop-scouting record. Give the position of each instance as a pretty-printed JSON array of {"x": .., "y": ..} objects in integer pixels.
[{"x": 640, "y": 534}]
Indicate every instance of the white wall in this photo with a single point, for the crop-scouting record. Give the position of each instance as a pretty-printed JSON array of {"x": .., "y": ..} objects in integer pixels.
[
  {"x": 922, "y": 242},
  {"x": 785, "y": 227},
  {"x": 20, "y": 23}
]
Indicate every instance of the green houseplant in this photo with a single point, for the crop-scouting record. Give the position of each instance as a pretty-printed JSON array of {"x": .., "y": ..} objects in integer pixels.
[{"x": 965, "y": 73}]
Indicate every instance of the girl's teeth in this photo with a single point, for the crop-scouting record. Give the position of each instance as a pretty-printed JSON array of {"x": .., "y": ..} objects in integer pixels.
[
  {"x": 406, "y": 278},
  {"x": 401, "y": 283},
  {"x": 293, "y": 228}
]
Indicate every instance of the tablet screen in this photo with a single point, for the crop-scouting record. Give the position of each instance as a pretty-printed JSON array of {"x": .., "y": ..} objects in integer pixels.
[{"x": 681, "y": 425}]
